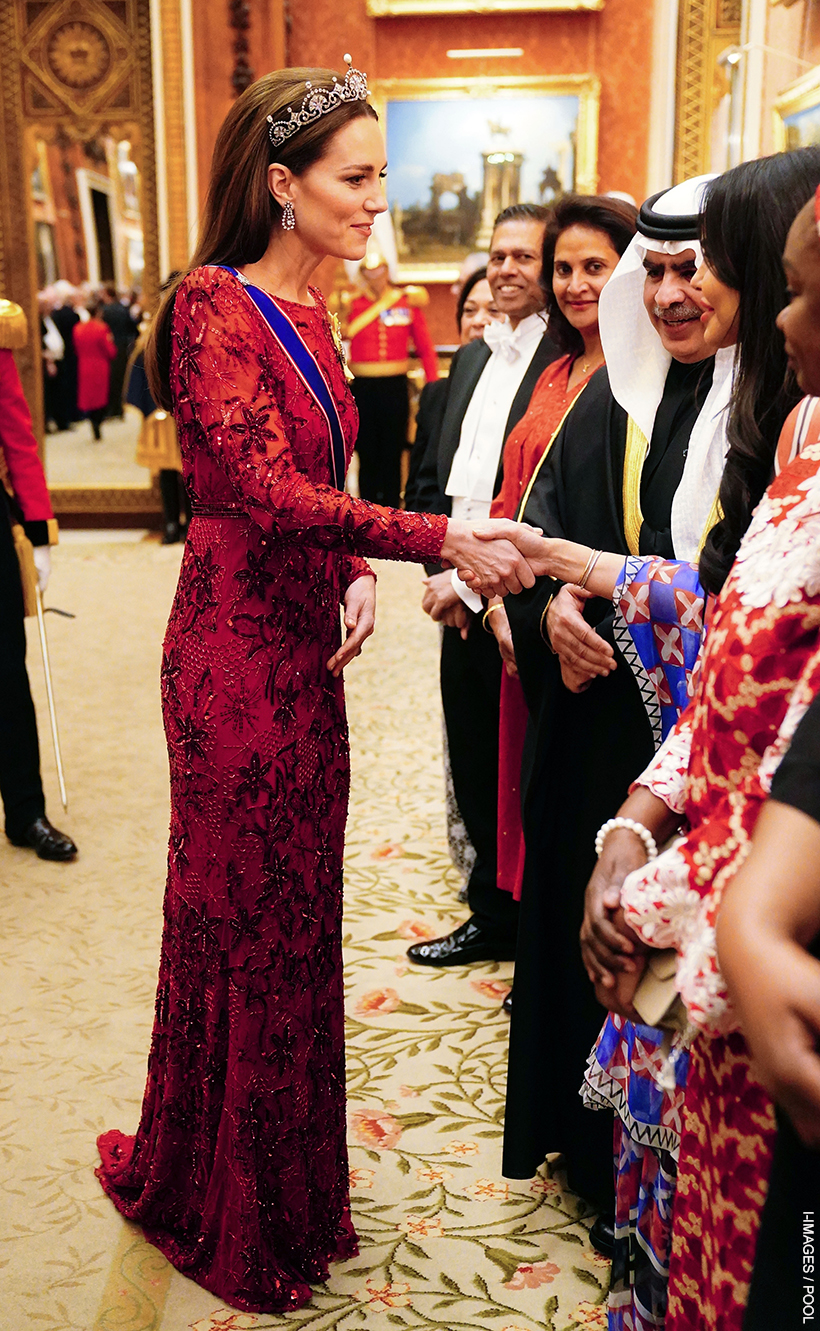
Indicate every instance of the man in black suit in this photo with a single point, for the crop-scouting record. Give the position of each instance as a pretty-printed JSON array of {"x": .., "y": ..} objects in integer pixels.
[
  {"x": 124, "y": 332},
  {"x": 490, "y": 386},
  {"x": 66, "y": 318}
]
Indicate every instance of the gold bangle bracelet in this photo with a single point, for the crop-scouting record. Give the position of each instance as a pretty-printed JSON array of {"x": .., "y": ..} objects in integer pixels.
[
  {"x": 485, "y": 617},
  {"x": 590, "y": 564}
]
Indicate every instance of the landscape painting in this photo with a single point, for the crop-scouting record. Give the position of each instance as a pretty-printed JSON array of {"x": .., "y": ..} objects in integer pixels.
[{"x": 455, "y": 161}]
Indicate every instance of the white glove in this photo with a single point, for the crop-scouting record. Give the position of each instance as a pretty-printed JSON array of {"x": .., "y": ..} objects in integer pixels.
[{"x": 42, "y": 563}]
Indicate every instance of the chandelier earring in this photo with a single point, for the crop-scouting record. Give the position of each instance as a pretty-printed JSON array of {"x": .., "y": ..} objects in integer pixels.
[{"x": 288, "y": 217}]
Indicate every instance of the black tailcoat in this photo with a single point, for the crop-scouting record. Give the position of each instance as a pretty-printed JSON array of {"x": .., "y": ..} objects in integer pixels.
[{"x": 471, "y": 667}]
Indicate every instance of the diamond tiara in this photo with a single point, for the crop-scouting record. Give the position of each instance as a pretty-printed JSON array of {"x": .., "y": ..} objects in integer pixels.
[{"x": 318, "y": 102}]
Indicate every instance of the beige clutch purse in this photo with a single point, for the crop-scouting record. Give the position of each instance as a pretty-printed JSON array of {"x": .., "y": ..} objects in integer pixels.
[{"x": 657, "y": 1001}]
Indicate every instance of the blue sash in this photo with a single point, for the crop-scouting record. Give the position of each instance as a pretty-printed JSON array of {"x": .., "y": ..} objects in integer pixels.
[{"x": 304, "y": 363}]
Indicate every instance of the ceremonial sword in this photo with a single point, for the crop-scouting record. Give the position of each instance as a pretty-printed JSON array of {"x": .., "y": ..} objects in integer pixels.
[{"x": 55, "y": 736}]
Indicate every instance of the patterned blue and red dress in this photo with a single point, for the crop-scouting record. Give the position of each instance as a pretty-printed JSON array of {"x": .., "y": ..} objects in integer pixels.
[{"x": 633, "y": 1069}]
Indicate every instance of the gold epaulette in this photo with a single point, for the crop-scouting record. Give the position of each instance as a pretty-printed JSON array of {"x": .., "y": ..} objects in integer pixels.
[
  {"x": 13, "y": 326},
  {"x": 417, "y": 297}
]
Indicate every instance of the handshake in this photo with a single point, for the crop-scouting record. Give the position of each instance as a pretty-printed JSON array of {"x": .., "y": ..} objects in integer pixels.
[{"x": 496, "y": 556}]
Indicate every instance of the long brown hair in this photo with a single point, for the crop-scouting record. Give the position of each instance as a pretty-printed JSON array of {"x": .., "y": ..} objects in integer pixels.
[
  {"x": 743, "y": 228},
  {"x": 240, "y": 211}
]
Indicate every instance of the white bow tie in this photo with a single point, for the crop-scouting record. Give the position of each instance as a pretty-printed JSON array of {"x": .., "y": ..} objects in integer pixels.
[{"x": 503, "y": 338}]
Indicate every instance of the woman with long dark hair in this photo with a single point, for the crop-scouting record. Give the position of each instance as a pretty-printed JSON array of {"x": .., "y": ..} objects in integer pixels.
[
  {"x": 238, "y": 1171},
  {"x": 747, "y": 218}
]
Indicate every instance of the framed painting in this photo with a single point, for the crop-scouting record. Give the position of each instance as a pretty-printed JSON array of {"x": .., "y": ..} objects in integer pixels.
[
  {"x": 461, "y": 150},
  {"x": 797, "y": 113},
  {"x": 387, "y": 8}
]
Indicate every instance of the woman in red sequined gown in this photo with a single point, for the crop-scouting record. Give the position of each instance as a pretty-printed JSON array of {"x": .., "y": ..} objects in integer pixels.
[{"x": 238, "y": 1171}]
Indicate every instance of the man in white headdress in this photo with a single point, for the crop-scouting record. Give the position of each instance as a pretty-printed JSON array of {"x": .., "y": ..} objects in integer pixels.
[{"x": 635, "y": 470}]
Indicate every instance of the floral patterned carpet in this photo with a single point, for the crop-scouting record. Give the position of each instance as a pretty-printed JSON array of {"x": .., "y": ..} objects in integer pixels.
[{"x": 445, "y": 1241}]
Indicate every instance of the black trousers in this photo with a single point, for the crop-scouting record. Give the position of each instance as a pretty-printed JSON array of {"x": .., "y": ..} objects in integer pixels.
[
  {"x": 470, "y": 688},
  {"x": 55, "y": 396},
  {"x": 20, "y": 785},
  {"x": 96, "y": 418},
  {"x": 174, "y": 496},
  {"x": 383, "y": 413},
  {"x": 785, "y": 1289}
]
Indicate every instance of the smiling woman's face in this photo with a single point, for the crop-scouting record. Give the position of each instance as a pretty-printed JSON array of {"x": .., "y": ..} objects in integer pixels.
[
  {"x": 584, "y": 261},
  {"x": 479, "y": 310},
  {"x": 338, "y": 198},
  {"x": 721, "y": 308}
]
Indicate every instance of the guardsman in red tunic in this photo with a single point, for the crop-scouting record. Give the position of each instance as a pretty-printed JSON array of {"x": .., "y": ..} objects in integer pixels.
[
  {"x": 381, "y": 323},
  {"x": 24, "y": 503}
]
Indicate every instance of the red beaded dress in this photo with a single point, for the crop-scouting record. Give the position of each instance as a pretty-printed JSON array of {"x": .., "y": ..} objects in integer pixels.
[{"x": 238, "y": 1172}]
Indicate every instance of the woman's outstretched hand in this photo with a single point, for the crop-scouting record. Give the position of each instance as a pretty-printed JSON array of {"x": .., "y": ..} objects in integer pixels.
[
  {"x": 487, "y": 555},
  {"x": 360, "y": 619}
]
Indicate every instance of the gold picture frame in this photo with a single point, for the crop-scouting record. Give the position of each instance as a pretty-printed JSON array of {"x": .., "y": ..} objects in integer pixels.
[
  {"x": 394, "y": 8},
  {"x": 797, "y": 113},
  {"x": 447, "y": 155}
]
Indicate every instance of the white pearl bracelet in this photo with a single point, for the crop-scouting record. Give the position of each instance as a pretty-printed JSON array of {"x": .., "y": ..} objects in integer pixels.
[{"x": 631, "y": 826}]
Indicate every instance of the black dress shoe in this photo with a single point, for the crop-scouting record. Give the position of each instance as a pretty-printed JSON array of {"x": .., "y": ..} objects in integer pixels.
[
  {"x": 465, "y": 944},
  {"x": 48, "y": 841},
  {"x": 171, "y": 535},
  {"x": 602, "y": 1235},
  {"x": 507, "y": 1004}
]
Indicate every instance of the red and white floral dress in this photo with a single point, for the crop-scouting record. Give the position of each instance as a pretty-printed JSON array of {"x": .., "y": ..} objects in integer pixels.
[{"x": 760, "y": 671}]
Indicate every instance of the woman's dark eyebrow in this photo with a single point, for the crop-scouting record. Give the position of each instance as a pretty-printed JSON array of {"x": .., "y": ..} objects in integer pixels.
[{"x": 364, "y": 167}]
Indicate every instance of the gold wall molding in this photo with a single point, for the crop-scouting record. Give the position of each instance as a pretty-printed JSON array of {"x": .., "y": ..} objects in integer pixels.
[
  {"x": 173, "y": 109},
  {"x": 385, "y": 8},
  {"x": 706, "y": 27}
]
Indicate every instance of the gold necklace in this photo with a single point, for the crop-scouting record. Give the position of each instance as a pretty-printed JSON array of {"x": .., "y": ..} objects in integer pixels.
[{"x": 586, "y": 364}]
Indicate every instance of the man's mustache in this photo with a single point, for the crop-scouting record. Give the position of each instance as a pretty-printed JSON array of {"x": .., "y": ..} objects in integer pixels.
[{"x": 676, "y": 314}]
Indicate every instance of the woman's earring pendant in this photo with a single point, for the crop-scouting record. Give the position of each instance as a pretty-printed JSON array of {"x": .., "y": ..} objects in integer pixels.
[{"x": 288, "y": 217}]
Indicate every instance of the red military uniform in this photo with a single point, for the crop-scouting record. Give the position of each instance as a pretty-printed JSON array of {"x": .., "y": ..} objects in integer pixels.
[
  {"x": 21, "y": 471},
  {"x": 381, "y": 330},
  {"x": 23, "y": 495},
  {"x": 382, "y": 347},
  {"x": 20, "y": 467}
]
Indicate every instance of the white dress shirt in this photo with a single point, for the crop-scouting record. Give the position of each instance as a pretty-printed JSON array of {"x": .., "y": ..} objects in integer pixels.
[{"x": 475, "y": 466}]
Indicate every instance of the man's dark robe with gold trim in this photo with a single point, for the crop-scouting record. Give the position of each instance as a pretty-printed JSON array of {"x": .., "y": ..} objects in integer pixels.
[{"x": 582, "y": 752}]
